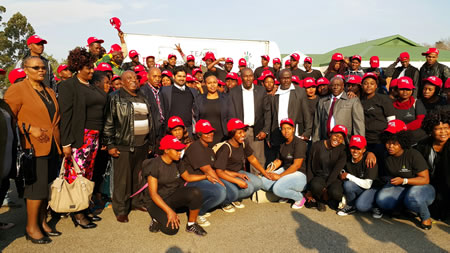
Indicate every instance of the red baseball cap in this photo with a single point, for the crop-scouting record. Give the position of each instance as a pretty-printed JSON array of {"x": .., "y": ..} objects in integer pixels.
[
  {"x": 56, "y": 78},
  {"x": 354, "y": 79},
  {"x": 287, "y": 121},
  {"x": 115, "y": 77},
  {"x": 115, "y": 22},
  {"x": 308, "y": 59},
  {"x": 35, "y": 39},
  {"x": 394, "y": 83},
  {"x": 235, "y": 124},
  {"x": 104, "y": 67},
  {"x": 190, "y": 78},
  {"x": 220, "y": 82},
  {"x": 405, "y": 82},
  {"x": 322, "y": 80},
  {"x": 374, "y": 62},
  {"x": 16, "y": 74},
  {"x": 434, "y": 80},
  {"x": 175, "y": 121},
  {"x": 404, "y": 56},
  {"x": 265, "y": 74},
  {"x": 265, "y": 57},
  {"x": 337, "y": 57},
  {"x": 340, "y": 76},
  {"x": 91, "y": 40},
  {"x": 194, "y": 71},
  {"x": 276, "y": 60},
  {"x": 150, "y": 56},
  {"x": 395, "y": 126},
  {"x": 209, "y": 55},
  {"x": 170, "y": 56},
  {"x": 447, "y": 84},
  {"x": 431, "y": 50},
  {"x": 142, "y": 76},
  {"x": 357, "y": 57},
  {"x": 167, "y": 73},
  {"x": 190, "y": 58},
  {"x": 2, "y": 72},
  {"x": 358, "y": 141},
  {"x": 203, "y": 126},
  {"x": 133, "y": 53},
  {"x": 295, "y": 56},
  {"x": 309, "y": 82},
  {"x": 61, "y": 68},
  {"x": 295, "y": 79},
  {"x": 277, "y": 82},
  {"x": 232, "y": 75},
  {"x": 287, "y": 62},
  {"x": 369, "y": 75},
  {"x": 139, "y": 68},
  {"x": 242, "y": 62},
  {"x": 340, "y": 129},
  {"x": 229, "y": 59},
  {"x": 170, "y": 142},
  {"x": 115, "y": 48}
]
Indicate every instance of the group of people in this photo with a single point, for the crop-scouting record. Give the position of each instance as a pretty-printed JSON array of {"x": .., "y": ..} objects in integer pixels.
[{"x": 205, "y": 138}]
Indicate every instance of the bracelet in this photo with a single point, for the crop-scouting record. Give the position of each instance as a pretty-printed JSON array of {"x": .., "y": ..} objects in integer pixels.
[{"x": 405, "y": 181}]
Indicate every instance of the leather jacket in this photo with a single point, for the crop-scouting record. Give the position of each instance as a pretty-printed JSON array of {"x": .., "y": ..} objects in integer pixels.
[{"x": 119, "y": 124}]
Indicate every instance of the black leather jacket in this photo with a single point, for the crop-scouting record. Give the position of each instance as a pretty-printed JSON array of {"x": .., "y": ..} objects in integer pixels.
[{"x": 119, "y": 125}]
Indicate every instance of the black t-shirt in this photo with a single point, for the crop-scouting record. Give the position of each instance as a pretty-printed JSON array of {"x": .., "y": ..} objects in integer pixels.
[
  {"x": 298, "y": 72},
  {"x": 314, "y": 74},
  {"x": 376, "y": 110},
  {"x": 294, "y": 150},
  {"x": 360, "y": 169},
  {"x": 312, "y": 105},
  {"x": 410, "y": 115},
  {"x": 236, "y": 161},
  {"x": 95, "y": 105},
  {"x": 168, "y": 175},
  {"x": 197, "y": 156},
  {"x": 407, "y": 165}
]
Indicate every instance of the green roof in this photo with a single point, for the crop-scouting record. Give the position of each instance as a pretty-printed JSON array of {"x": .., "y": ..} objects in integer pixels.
[{"x": 387, "y": 49}]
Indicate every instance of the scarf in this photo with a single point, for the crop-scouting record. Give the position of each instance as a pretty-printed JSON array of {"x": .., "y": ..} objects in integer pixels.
[{"x": 404, "y": 105}]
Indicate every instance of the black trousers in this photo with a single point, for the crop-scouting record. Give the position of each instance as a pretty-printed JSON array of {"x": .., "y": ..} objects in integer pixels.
[
  {"x": 127, "y": 168},
  {"x": 101, "y": 161},
  {"x": 335, "y": 189},
  {"x": 190, "y": 197}
]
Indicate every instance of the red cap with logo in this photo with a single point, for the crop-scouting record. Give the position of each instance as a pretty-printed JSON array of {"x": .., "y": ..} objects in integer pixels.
[
  {"x": 190, "y": 58},
  {"x": 91, "y": 40},
  {"x": 203, "y": 126},
  {"x": 431, "y": 50},
  {"x": 115, "y": 77},
  {"x": 61, "y": 68},
  {"x": 295, "y": 56},
  {"x": 357, "y": 57},
  {"x": 190, "y": 78},
  {"x": 308, "y": 59},
  {"x": 35, "y": 39},
  {"x": 115, "y": 48},
  {"x": 209, "y": 55},
  {"x": 374, "y": 62},
  {"x": 242, "y": 62},
  {"x": 265, "y": 57},
  {"x": 16, "y": 74},
  {"x": 229, "y": 60},
  {"x": 265, "y": 74},
  {"x": 139, "y": 68},
  {"x": 2, "y": 72},
  {"x": 234, "y": 124},
  {"x": 434, "y": 80},
  {"x": 175, "y": 121},
  {"x": 170, "y": 56},
  {"x": 340, "y": 76},
  {"x": 115, "y": 22},
  {"x": 104, "y": 67},
  {"x": 405, "y": 82},
  {"x": 394, "y": 83},
  {"x": 395, "y": 126},
  {"x": 353, "y": 79},
  {"x": 133, "y": 53},
  {"x": 142, "y": 76},
  {"x": 322, "y": 81},
  {"x": 287, "y": 63},
  {"x": 167, "y": 73},
  {"x": 371, "y": 75},
  {"x": 287, "y": 121},
  {"x": 358, "y": 141},
  {"x": 170, "y": 142},
  {"x": 337, "y": 57},
  {"x": 447, "y": 84},
  {"x": 220, "y": 82},
  {"x": 340, "y": 129},
  {"x": 309, "y": 82},
  {"x": 295, "y": 80},
  {"x": 276, "y": 60},
  {"x": 232, "y": 75},
  {"x": 196, "y": 70},
  {"x": 404, "y": 56}
]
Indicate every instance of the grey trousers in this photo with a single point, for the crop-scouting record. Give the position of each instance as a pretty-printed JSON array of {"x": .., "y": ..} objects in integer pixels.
[{"x": 258, "y": 149}]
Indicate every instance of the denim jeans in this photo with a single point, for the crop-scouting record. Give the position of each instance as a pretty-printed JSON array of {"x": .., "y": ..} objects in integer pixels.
[
  {"x": 234, "y": 192},
  {"x": 289, "y": 186},
  {"x": 416, "y": 198},
  {"x": 213, "y": 194},
  {"x": 361, "y": 198}
]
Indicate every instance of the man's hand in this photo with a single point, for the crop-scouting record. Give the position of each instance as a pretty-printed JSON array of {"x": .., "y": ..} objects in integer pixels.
[
  {"x": 242, "y": 184},
  {"x": 351, "y": 94},
  {"x": 178, "y": 48},
  {"x": 114, "y": 152},
  {"x": 343, "y": 175},
  {"x": 397, "y": 181},
  {"x": 371, "y": 160},
  {"x": 261, "y": 136}
]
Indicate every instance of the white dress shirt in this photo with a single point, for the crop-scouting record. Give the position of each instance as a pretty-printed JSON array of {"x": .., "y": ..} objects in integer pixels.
[
  {"x": 248, "y": 102},
  {"x": 283, "y": 102}
]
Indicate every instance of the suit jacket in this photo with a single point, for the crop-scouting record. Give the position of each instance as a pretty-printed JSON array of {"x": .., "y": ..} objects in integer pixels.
[
  {"x": 28, "y": 108},
  {"x": 147, "y": 92},
  {"x": 297, "y": 111},
  {"x": 262, "y": 107},
  {"x": 225, "y": 113},
  {"x": 166, "y": 101},
  {"x": 347, "y": 112}
]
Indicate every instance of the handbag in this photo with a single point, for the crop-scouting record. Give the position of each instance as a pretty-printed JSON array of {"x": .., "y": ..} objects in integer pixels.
[
  {"x": 68, "y": 198},
  {"x": 26, "y": 160}
]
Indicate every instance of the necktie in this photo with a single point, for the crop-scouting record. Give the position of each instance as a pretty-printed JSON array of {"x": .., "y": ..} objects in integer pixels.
[{"x": 330, "y": 115}]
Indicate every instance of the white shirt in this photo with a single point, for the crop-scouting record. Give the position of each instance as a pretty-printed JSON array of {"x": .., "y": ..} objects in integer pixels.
[
  {"x": 283, "y": 102},
  {"x": 402, "y": 73},
  {"x": 332, "y": 122},
  {"x": 183, "y": 88},
  {"x": 248, "y": 102}
]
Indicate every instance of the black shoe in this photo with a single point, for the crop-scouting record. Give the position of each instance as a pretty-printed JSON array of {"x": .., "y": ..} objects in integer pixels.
[
  {"x": 154, "y": 226},
  {"x": 95, "y": 218},
  {"x": 54, "y": 232},
  {"x": 426, "y": 227},
  {"x": 77, "y": 223},
  {"x": 346, "y": 210},
  {"x": 311, "y": 204},
  {"x": 196, "y": 229},
  {"x": 43, "y": 240},
  {"x": 321, "y": 207}
]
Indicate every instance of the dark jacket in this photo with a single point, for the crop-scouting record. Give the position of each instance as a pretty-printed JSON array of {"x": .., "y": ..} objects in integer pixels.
[
  {"x": 119, "y": 124},
  {"x": 147, "y": 92},
  {"x": 437, "y": 69},
  {"x": 7, "y": 172},
  {"x": 262, "y": 107},
  {"x": 411, "y": 72},
  {"x": 440, "y": 172},
  {"x": 338, "y": 159},
  {"x": 225, "y": 112}
]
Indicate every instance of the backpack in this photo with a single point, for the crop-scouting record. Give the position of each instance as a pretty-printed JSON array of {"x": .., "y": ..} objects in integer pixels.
[{"x": 216, "y": 147}]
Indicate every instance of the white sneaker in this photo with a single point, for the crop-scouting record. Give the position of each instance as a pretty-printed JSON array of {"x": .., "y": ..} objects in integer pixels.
[
  {"x": 238, "y": 204},
  {"x": 283, "y": 200},
  {"x": 377, "y": 213},
  {"x": 202, "y": 221},
  {"x": 343, "y": 203},
  {"x": 228, "y": 208},
  {"x": 207, "y": 215}
]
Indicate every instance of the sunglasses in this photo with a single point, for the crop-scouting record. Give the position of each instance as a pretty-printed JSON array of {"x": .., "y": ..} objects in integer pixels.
[{"x": 37, "y": 68}]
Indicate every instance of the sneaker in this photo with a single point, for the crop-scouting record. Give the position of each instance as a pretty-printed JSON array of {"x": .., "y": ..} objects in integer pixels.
[
  {"x": 5, "y": 226},
  {"x": 238, "y": 204},
  {"x": 283, "y": 200},
  {"x": 298, "y": 204},
  {"x": 377, "y": 213},
  {"x": 228, "y": 208},
  {"x": 321, "y": 207},
  {"x": 196, "y": 229},
  {"x": 154, "y": 226},
  {"x": 346, "y": 210},
  {"x": 202, "y": 221},
  {"x": 206, "y": 215}
]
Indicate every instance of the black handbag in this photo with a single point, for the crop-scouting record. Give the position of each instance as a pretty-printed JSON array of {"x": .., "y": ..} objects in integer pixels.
[{"x": 27, "y": 160}]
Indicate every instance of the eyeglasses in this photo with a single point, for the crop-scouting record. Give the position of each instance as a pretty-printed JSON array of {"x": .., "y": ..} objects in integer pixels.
[{"x": 37, "y": 68}]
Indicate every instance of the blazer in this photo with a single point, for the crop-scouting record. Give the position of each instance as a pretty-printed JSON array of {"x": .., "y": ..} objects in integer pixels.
[
  {"x": 225, "y": 113},
  {"x": 166, "y": 100},
  {"x": 262, "y": 107},
  {"x": 347, "y": 112},
  {"x": 147, "y": 92},
  {"x": 28, "y": 108},
  {"x": 297, "y": 111}
]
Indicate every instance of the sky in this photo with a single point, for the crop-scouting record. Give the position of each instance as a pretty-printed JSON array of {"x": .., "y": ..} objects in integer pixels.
[{"x": 316, "y": 26}]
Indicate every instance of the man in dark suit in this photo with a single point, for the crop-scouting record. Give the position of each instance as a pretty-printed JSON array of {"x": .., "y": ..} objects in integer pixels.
[
  {"x": 180, "y": 100},
  {"x": 290, "y": 102},
  {"x": 251, "y": 104}
]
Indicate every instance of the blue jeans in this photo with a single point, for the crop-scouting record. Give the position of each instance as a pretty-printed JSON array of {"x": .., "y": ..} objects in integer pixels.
[
  {"x": 416, "y": 198},
  {"x": 234, "y": 192},
  {"x": 289, "y": 186},
  {"x": 213, "y": 194},
  {"x": 361, "y": 198}
]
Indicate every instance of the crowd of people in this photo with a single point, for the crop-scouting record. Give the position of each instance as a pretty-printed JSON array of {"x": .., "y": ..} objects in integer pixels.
[{"x": 200, "y": 138}]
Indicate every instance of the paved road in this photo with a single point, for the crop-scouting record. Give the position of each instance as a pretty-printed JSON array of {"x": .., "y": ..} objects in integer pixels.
[{"x": 270, "y": 227}]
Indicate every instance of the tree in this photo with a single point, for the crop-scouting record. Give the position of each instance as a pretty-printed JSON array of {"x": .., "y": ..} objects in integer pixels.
[{"x": 443, "y": 44}]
